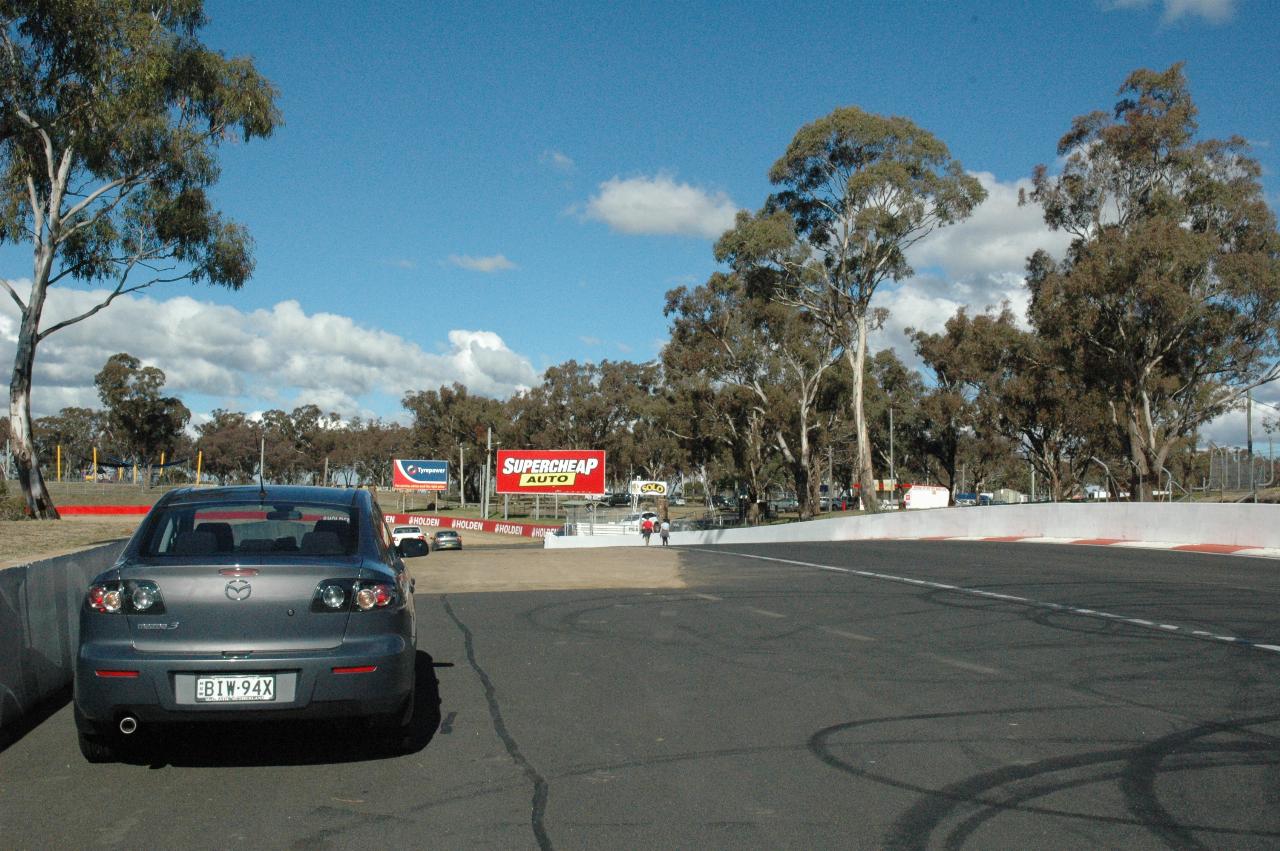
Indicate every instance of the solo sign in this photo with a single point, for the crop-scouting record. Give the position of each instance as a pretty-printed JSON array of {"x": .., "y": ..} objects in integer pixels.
[
  {"x": 640, "y": 488},
  {"x": 567, "y": 471},
  {"x": 420, "y": 475}
]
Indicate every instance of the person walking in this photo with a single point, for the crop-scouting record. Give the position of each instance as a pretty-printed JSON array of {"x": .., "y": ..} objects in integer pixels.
[
  {"x": 664, "y": 531},
  {"x": 646, "y": 529}
]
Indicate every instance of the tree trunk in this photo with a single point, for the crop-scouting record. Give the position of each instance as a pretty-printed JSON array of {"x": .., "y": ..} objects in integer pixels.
[
  {"x": 39, "y": 503},
  {"x": 858, "y": 363}
]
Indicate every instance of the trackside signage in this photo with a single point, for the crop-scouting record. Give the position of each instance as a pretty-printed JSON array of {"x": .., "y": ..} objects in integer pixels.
[
  {"x": 564, "y": 471},
  {"x": 419, "y": 475},
  {"x": 432, "y": 521},
  {"x": 640, "y": 488}
]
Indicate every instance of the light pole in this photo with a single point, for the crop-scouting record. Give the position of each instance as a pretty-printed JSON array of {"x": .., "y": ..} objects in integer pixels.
[{"x": 488, "y": 449}]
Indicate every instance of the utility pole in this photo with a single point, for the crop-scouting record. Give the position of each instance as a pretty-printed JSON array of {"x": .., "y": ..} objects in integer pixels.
[
  {"x": 831, "y": 480},
  {"x": 488, "y": 448},
  {"x": 1248, "y": 420},
  {"x": 462, "y": 477}
]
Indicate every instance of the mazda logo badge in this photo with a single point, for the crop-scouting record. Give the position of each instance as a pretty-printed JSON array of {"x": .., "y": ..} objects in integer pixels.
[{"x": 238, "y": 589}]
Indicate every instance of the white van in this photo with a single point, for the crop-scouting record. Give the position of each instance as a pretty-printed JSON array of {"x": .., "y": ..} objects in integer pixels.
[{"x": 926, "y": 496}]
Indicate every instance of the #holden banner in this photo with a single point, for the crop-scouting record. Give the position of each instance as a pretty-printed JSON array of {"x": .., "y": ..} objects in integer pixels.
[
  {"x": 420, "y": 475},
  {"x": 564, "y": 471}
]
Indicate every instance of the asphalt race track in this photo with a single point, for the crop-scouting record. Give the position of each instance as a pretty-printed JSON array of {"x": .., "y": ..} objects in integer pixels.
[{"x": 858, "y": 695}]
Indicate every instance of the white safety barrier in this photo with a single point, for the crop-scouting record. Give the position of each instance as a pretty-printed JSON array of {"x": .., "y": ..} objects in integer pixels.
[{"x": 1227, "y": 524}]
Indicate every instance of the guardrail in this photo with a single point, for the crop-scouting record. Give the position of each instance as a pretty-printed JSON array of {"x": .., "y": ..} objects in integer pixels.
[
  {"x": 1237, "y": 525},
  {"x": 40, "y": 626},
  {"x": 501, "y": 527}
]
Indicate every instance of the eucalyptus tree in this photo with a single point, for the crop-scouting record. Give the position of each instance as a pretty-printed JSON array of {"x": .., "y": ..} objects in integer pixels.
[
  {"x": 1169, "y": 294},
  {"x": 611, "y": 405},
  {"x": 858, "y": 190},
  {"x": 447, "y": 422},
  {"x": 75, "y": 431},
  {"x": 110, "y": 114},
  {"x": 228, "y": 444},
  {"x": 372, "y": 445},
  {"x": 1033, "y": 397},
  {"x": 139, "y": 421},
  {"x": 692, "y": 416},
  {"x": 776, "y": 357},
  {"x": 893, "y": 394}
]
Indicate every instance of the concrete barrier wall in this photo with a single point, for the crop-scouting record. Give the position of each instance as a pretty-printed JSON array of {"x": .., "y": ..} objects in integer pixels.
[
  {"x": 40, "y": 626},
  {"x": 1179, "y": 523}
]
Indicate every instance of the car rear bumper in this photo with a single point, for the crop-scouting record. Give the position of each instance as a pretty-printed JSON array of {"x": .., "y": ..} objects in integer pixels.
[{"x": 306, "y": 684}]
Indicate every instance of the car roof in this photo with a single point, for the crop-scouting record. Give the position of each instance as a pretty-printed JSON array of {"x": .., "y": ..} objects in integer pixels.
[{"x": 269, "y": 493}]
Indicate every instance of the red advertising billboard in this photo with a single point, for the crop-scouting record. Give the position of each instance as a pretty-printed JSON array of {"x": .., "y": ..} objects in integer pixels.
[{"x": 565, "y": 471}]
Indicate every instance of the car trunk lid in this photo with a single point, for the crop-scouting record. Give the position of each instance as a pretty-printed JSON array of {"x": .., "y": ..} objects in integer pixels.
[{"x": 235, "y": 609}]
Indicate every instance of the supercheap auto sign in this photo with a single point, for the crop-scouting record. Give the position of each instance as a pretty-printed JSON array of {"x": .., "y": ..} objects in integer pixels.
[{"x": 568, "y": 471}]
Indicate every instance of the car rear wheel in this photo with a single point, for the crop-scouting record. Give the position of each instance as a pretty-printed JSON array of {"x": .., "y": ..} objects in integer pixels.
[
  {"x": 396, "y": 731},
  {"x": 98, "y": 749},
  {"x": 96, "y": 743}
]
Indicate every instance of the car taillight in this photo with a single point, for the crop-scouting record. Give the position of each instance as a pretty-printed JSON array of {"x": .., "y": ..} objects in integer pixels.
[
  {"x": 132, "y": 597},
  {"x": 373, "y": 596},
  {"x": 107, "y": 599},
  {"x": 345, "y": 595}
]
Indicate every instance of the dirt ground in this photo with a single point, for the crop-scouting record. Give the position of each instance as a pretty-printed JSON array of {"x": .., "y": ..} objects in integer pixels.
[
  {"x": 23, "y": 541},
  {"x": 536, "y": 569},
  {"x": 487, "y": 561}
]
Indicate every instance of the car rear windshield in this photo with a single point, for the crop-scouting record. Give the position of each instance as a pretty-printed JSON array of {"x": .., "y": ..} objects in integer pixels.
[{"x": 221, "y": 530}]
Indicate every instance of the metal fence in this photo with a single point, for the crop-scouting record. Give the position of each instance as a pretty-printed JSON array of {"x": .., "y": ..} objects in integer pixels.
[{"x": 1235, "y": 469}]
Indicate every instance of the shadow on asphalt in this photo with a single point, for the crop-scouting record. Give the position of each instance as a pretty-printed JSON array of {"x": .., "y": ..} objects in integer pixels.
[
  {"x": 294, "y": 742},
  {"x": 12, "y": 732}
]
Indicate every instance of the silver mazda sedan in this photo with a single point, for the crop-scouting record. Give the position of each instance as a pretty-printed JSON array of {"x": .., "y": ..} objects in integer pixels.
[{"x": 248, "y": 603}]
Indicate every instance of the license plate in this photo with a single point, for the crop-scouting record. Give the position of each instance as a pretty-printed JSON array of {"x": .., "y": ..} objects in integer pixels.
[{"x": 227, "y": 689}]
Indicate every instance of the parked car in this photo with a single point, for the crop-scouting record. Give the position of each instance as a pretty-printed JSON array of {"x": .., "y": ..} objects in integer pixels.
[
  {"x": 410, "y": 540},
  {"x": 616, "y": 499},
  {"x": 446, "y": 539},
  {"x": 242, "y": 604},
  {"x": 402, "y": 533}
]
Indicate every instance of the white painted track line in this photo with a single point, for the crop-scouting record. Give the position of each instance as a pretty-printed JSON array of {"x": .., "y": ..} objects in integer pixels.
[{"x": 1041, "y": 604}]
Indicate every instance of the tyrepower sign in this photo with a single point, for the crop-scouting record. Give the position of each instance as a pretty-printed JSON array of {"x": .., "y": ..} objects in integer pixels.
[
  {"x": 420, "y": 475},
  {"x": 570, "y": 471}
]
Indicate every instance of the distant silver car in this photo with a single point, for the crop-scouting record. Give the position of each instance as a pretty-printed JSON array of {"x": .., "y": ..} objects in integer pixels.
[
  {"x": 446, "y": 539},
  {"x": 237, "y": 604}
]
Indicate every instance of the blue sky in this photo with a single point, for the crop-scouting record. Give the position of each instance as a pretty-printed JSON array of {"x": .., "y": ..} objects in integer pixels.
[{"x": 474, "y": 192}]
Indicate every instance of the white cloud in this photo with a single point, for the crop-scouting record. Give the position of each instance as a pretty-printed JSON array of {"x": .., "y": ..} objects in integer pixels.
[
  {"x": 557, "y": 160},
  {"x": 997, "y": 239},
  {"x": 495, "y": 263},
  {"x": 659, "y": 205},
  {"x": 978, "y": 264},
  {"x": 1213, "y": 11},
  {"x": 279, "y": 357}
]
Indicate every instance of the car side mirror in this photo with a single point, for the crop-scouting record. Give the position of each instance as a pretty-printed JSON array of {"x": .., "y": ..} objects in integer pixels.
[{"x": 411, "y": 547}]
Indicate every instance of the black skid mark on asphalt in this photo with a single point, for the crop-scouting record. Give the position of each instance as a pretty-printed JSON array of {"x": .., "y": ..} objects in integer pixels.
[
  {"x": 568, "y": 618},
  {"x": 541, "y": 791},
  {"x": 1008, "y": 789}
]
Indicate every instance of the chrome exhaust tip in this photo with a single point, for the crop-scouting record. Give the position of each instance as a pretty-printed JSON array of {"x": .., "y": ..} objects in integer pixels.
[{"x": 128, "y": 724}]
